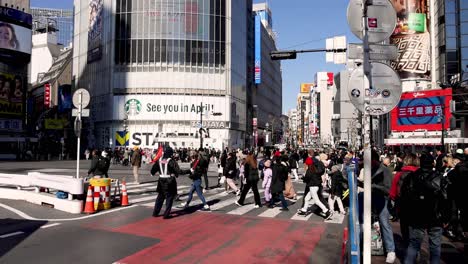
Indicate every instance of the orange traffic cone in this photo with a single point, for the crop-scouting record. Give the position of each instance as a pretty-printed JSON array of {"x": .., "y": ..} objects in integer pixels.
[
  {"x": 89, "y": 206},
  {"x": 124, "y": 199}
]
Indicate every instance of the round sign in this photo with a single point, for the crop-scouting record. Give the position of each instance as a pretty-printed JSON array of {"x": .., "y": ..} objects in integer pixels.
[
  {"x": 85, "y": 97},
  {"x": 381, "y": 19},
  {"x": 385, "y": 93}
]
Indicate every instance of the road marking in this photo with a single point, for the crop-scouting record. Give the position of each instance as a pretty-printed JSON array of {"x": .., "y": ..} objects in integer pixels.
[
  {"x": 198, "y": 201},
  {"x": 152, "y": 197},
  {"x": 228, "y": 202},
  {"x": 336, "y": 218},
  {"x": 242, "y": 209},
  {"x": 273, "y": 212},
  {"x": 302, "y": 217},
  {"x": 25, "y": 216},
  {"x": 51, "y": 225},
  {"x": 12, "y": 234}
]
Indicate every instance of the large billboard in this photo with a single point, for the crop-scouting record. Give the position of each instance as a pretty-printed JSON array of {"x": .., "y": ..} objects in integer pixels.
[
  {"x": 95, "y": 30},
  {"x": 307, "y": 87},
  {"x": 422, "y": 110},
  {"x": 170, "y": 107},
  {"x": 15, "y": 35},
  {"x": 412, "y": 38},
  {"x": 12, "y": 101},
  {"x": 258, "y": 50}
]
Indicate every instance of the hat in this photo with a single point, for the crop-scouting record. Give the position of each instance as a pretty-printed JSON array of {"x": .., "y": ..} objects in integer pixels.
[
  {"x": 459, "y": 156},
  {"x": 426, "y": 160},
  {"x": 459, "y": 151},
  {"x": 104, "y": 154},
  {"x": 168, "y": 152}
]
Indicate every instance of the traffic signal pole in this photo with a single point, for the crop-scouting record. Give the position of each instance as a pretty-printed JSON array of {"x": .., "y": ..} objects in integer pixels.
[{"x": 292, "y": 54}]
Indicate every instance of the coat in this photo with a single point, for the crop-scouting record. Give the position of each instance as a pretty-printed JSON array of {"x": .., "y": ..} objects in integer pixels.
[
  {"x": 279, "y": 177},
  {"x": 136, "y": 158},
  {"x": 230, "y": 169}
]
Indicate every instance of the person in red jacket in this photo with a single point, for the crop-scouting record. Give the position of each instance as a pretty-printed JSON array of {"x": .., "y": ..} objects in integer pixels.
[{"x": 410, "y": 164}]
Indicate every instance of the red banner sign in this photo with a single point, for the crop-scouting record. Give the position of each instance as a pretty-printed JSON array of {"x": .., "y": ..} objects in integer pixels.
[{"x": 47, "y": 95}]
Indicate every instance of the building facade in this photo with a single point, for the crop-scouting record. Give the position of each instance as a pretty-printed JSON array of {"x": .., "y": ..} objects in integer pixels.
[
  {"x": 56, "y": 20},
  {"x": 158, "y": 71}
]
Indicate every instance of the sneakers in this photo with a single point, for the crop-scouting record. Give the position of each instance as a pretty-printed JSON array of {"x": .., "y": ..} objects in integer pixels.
[
  {"x": 328, "y": 215},
  {"x": 206, "y": 208},
  {"x": 182, "y": 205},
  {"x": 238, "y": 193},
  {"x": 284, "y": 209},
  {"x": 257, "y": 206},
  {"x": 238, "y": 204},
  {"x": 391, "y": 257},
  {"x": 300, "y": 212}
]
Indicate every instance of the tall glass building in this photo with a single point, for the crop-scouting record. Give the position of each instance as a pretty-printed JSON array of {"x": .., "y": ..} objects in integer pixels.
[
  {"x": 160, "y": 70},
  {"x": 62, "y": 20}
]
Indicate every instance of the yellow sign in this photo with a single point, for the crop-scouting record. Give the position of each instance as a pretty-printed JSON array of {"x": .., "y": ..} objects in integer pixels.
[
  {"x": 306, "y": 87},
  {"x": 122, "y": 138},
  {"x": 54, "y": 124}
]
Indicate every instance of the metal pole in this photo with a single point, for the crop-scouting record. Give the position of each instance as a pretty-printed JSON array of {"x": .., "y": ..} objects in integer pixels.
[
  {"x": 201, "y": 124},
  {"x": 367, "y": 148},
  {"x": 78, "y": 137}
]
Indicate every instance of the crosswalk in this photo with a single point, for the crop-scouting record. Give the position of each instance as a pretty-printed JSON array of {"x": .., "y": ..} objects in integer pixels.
[{"x": 222, "y": 202}]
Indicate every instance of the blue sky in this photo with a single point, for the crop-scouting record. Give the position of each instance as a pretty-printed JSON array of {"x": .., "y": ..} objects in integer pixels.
[{"x": 300, "y": 24}]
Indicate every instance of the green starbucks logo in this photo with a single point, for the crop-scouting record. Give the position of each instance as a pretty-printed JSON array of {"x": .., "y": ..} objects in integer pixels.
[{"x": 132, "y": 107}]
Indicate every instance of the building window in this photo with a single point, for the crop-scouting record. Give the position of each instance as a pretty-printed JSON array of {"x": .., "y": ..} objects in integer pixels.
[{"x": 171, "y": 31}]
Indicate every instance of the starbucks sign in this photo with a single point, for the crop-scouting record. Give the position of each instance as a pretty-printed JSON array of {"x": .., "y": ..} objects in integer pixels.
[{"x": 132, "y": 107}]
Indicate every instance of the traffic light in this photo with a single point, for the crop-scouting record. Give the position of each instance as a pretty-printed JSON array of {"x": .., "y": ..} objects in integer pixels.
[
  {"x": 453, "y": 123},
  {"x": 283, "y": 55}
]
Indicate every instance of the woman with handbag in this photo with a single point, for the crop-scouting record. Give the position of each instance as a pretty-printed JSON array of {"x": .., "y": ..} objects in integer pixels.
[
  {"x": 252, "y": 178},
  {"x": 196, "y": 174}
]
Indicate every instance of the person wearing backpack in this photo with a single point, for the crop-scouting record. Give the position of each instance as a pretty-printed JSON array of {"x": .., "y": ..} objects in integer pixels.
[
  {"x": 252, "y": 178},
  {"x": 99, "y": 165},
  {"x": 425, "y": 205},
  {"x": 410, "y": 164}
]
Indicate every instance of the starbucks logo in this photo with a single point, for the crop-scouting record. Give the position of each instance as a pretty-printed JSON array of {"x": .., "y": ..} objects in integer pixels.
[{"x": 132, "y": 107}]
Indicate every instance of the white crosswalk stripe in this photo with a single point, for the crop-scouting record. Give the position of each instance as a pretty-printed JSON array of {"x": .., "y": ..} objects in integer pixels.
[{"x": 153, "y": 197}]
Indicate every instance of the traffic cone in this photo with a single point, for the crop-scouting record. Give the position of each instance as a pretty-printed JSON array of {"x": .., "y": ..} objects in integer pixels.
[
  {"x": 89, "y": 206},
  {"x": 124, "y": 199}
]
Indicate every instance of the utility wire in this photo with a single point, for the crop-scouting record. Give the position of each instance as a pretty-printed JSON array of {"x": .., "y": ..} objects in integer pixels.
[{"x": 311, "y": 41}]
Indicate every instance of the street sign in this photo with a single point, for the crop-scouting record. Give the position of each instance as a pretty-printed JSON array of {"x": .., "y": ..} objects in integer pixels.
[
  {"x": 85, "y": 97},
  {"x": 376, "y": 51},
  {"x": 381, "y": 19},
  {"x": 77, "y": 127},
  {"x": 384, "y": 94},
  {"x": 84, "y": 112},
  {"x": 283, "y": 55}
]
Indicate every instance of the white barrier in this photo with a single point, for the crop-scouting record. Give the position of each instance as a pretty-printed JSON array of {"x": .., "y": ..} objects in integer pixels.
[{"x": 35, "y": 179}]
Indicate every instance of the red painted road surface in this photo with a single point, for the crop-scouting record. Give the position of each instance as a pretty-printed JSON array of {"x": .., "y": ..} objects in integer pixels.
[{"x": 219, "y": 238}]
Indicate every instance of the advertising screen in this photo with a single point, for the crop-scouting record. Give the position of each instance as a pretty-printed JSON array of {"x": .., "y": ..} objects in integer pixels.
[
  {"x": 11, "y": 101},
  {"x": 412, "y": 38},
  {"x": 15, "y": 34},
  {"x": 422, "y": 110},
  {"x": 306, "y": 87},
  {"x": 95, "y": 30},
  {"x": 258, "y": 51}
]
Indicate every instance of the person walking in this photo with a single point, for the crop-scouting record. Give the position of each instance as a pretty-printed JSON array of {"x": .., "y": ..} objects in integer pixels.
[
  {"x": 204, "y": 163},
  {"x": 336, "y": 189},
  {"x": 196, "y": 174},
  {"x": 252, "y": 178},
  {"x": 168, "y": 170},
  {"x": 293, "y": 165},
  {"x": 314, "y": 176},
  {"x": 289, "y": 191},
  {"x": 267, "y": 177},
  {"x": 230, "y": 172},
  {"x": 136, "y": 163},
  {"x": 278, "y": 179},
  {"x": 425, "y": 205},
  {"x": 99, "y": 165}
]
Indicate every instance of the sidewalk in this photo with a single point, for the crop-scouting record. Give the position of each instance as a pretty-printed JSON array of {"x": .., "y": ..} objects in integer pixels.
[{"x": 452, "y": 252}]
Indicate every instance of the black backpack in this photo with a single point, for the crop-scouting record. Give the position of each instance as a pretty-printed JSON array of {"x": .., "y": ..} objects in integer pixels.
[
  {"x": 419, "y": 187},
  {"x": 103, "y": 164}
]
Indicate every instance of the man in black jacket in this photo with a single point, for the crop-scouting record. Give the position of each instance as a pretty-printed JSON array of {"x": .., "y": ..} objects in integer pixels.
[
  {"x": 168, "y": 170},
  {"x": 279, "y": 177},
  {"x": 99, "y": 165},
  {"x": 196, "y": 173}
]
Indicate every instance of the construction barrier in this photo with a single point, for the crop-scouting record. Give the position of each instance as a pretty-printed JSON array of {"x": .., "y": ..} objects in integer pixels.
[{"x": 101, "y": 187}]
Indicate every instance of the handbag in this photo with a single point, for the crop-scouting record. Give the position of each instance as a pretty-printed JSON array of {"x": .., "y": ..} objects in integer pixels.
[{"x": 222, "y": 180}]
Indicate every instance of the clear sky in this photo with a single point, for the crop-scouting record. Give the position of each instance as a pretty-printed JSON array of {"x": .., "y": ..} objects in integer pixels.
[{"x": 300, "y": 24}]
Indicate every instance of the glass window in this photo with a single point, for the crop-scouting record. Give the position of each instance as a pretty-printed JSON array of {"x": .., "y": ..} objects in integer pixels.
[
  {"x": 451, "y": 43},
  {"x": 452, "y": 56},
  {"x": 464, "y": 40},
  {"x": 451, "y": 31},
  {"x": 463, "y": 4},
  {"x": 450, "y": 19},
  {"x": 464, "y": 15},
  {"x": 465, "y": 65},
  {"x": 464, "y": 53},
  {"x": 464, "y": 28},
  {"x": 450, "y": 6}
]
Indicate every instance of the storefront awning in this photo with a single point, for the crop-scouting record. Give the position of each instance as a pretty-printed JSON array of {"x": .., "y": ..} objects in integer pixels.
[{"x": 424, "y": 141}]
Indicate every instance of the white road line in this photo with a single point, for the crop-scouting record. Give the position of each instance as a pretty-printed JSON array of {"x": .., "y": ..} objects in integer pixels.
[
  {"x": 133, "y": 186},
  {"x": 135, "y": 192},
  {"x": 25, "y": 216},
  {"x": 12, "y": 234},
  {"x": 51, "y": 225},
  {"x": 228, "y": 202},
  {"x": 197, "y": 202},
  {"x": 301, "y": 217},
  {"x": 337, "y": 218},
  {"x": 273, "y": 212},
  {"x": 243, "y": 209},
  {"x": 153, "y": 197}
]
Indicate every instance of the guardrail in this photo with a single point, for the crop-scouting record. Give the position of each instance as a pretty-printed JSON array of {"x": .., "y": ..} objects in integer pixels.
[{"x": 38, "y": 180}]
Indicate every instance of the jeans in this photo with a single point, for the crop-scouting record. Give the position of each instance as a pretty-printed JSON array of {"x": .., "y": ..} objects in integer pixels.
[
  {"x": 246, "y": 189},
  {"x": 279, "y": 196},
  {"x": 416, "y": 238},
  {"x": 196, "y": 186},
  {"x": 380, "y": 206}
]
